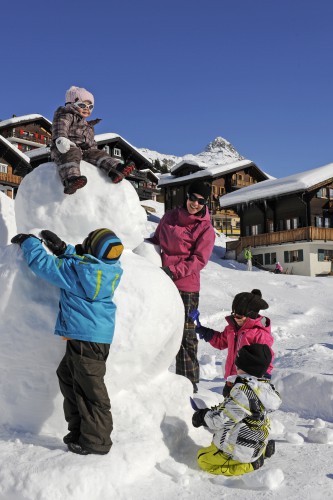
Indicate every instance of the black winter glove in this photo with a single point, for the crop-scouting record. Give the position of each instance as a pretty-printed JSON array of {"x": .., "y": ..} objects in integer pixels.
[
  {"x": 53, "y": 242},
  {"x": 167, "y": 271},
  {"x": 204, "y": 333},
  {"x": 198, "y": 418},
  {"x": 21, "y": 237}
]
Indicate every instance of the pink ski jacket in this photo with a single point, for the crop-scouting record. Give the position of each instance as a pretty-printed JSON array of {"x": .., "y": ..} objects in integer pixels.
[
  {"x": 186, "y": 243},
  {"x": 254, "y": 331}
]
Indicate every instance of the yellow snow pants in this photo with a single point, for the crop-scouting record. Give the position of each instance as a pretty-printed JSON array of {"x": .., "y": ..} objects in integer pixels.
[{"x": 212, "y": 460}]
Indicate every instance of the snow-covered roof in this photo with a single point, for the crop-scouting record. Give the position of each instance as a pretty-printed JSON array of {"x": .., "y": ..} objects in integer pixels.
[
  {"x": 99, "y": 138},
  {"x": 13, "y": 149},
  {"x": 200, "y": 164},
  {"x": 271, "y": 188},
  {"x": 207, "y": 171},
  {"x": 150, "y": 171},
  {"x": 22, "y": 119},
  {"x": 35, "y": 153}
]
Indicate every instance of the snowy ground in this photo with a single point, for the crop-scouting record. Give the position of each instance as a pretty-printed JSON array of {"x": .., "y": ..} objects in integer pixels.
[{"x": 36, "y": 465}]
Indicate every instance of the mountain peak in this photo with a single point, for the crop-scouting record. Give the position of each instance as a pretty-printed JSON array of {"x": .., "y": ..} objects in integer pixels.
[{"x": 220, "y": 151}]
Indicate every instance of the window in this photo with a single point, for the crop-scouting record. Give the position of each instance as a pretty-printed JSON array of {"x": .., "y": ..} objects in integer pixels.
[
  {"x": 107, "y": 149},
  {"x": 256, "y": 229},
  {"x": 3, "y": 168},
  {"x": 325, "y": 255},
  {"x": 318, "y": 221},
  {"x": 117, "y": 152},
  {"x": 258, "y": 259},
  {"x": 270, "y": 258},
  {"x": 331, "y": 193},
  {"x": 321, "y": 193},
  {"x": 293, "y": 256}
]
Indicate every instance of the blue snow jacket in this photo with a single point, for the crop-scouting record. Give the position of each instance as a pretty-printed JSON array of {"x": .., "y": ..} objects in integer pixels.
[{"x": 86, "y": 284}]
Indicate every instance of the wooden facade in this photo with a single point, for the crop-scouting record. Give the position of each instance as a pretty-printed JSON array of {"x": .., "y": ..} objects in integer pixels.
[
  {"x": 19, "y": 135},
  {"x": 294, "y": 228}
]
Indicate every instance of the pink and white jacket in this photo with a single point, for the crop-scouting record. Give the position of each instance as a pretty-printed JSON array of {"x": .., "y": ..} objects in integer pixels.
[
  {"x": 186, "y": 243},
  {"x": 254, "y": 331}
]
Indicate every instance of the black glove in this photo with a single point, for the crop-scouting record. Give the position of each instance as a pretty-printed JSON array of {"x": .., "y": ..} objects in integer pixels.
[
  {"x": 204, "y": 333},
  {"x": 198, "y": 418},
  {"x": 21, "y": 237},
  {"x": 167, "y": 271},
  {"x": 53, "y": 242}
]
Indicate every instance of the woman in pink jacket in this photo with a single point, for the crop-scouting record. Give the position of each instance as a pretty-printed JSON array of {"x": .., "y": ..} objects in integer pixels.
[
  {"x": 245, "y": 327},
  {"x": 186, "y": 237}
]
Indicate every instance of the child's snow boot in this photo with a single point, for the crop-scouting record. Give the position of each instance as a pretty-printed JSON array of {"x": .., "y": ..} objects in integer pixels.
[
  {"x": 122, "y": 170},
  {"x": 270, "y": 449},
  {"x": 77, "y": 448},
  {"x": 258, "y": 463},
  {"x": 73, "y": 183},
  {"x": 71, "y": 437}
]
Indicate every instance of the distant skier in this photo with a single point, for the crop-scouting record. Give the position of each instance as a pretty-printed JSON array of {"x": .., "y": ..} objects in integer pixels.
[
  {"x": 73, "y": 140},
  {"x": 248, "y": 257},
  {"x": 241, "y": 424},
  {"x": 278, "y": 268},
  {"x": 87, "y": 276},
  {"x": 245, "y": 326}
]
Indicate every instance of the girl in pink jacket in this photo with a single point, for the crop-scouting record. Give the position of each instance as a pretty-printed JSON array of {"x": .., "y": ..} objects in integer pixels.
[{"x": 245, "y": 327}]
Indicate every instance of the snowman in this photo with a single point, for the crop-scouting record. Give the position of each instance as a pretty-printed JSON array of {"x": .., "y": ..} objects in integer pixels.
[{"x": 149, "y": 318}]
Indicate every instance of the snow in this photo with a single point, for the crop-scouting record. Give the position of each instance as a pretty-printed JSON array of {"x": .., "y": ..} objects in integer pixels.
[
  {"x": 154, "y": 444},
  {"x": 14, "y": 148},
  {"x": 21, "y": 119},
  {"x": 207, "y": 170},
  {"x": 277, "y": 187}
]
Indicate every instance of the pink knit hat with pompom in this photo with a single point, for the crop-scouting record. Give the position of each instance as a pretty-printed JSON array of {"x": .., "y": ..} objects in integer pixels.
[{"x": 75, "y": 94}]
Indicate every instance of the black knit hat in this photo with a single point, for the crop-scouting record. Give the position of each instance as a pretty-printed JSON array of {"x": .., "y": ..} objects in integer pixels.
[
  {"x": 254, "y": 359},
  {"x": 200, "y": 187},
  {"x": 249, "y": 304}
]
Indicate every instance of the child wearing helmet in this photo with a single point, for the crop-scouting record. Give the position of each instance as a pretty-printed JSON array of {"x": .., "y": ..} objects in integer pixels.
[{"x": 87, "y": 276}]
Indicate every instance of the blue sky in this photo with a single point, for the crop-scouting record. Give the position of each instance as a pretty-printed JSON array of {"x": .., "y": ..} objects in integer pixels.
[{"x": 173, "y": 75}]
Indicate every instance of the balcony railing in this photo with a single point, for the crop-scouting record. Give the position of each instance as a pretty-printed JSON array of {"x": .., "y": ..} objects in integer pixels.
[
  {"x": 310, "y": 233},
  {"x": 12, "y": 179}
]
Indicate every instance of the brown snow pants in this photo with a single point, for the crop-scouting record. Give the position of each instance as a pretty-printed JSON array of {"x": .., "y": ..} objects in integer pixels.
[
  {"x": 86, "y": 401},
  {"x": 69, "y": 163}
]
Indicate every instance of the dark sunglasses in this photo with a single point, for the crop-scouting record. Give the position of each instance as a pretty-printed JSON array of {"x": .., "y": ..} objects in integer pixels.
[
  {"x": 201, "y": 201},
  {"x": 237, "y": 316},
  {"x": 83, "y": 105}
]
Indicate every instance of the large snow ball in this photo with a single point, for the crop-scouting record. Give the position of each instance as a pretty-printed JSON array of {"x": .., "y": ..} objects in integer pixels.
[
  {"x": 149, "y": 324},
  {"x": 7, "y": 219},
  {"x": 41, "y": 204}
]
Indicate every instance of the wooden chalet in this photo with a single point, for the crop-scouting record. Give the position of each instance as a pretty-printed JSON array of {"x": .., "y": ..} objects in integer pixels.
[
  {"x": 18, "y": 135},
  {"x": 288, "y": 220},
  {"x": 224, "y": 178},
  {"x": 27, "y": 132},
  {"x": 11, "y": 162}
]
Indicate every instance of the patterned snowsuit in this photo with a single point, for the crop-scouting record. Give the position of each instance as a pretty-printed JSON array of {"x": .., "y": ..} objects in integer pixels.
[
  {"x": 67, "y": 122},
  {"x": 241, "y": 427}
]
